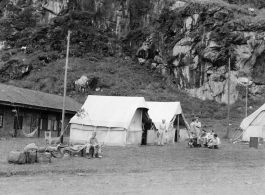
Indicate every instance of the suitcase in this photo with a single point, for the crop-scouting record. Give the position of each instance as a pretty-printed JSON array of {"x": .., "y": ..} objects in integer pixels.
[
  {"x": 44, "y": 157},
  {"x": 17, "y": 157},
  {"x": 31, "y": 157}
]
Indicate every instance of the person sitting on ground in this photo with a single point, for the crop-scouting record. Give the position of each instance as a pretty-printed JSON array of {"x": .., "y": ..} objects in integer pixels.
[
  {"x": 209, "y": 136},
  {"x": 193, "y": 140},
  {"x": 94, "y": 143},
  {"x": 202, "y": 139},
  {"x": 215, "y": 142}
]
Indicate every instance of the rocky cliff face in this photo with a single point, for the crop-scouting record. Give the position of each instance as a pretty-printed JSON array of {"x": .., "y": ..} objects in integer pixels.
[
  {"x": 189, "y": 42},
  {"x": 197, "y": 41}
]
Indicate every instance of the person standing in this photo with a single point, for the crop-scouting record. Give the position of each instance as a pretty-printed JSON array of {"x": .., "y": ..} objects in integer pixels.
[
  {"x": 197, "y": 126},
  {"x": 162, "y": 129},
  {"x": 192, "y": 126}
]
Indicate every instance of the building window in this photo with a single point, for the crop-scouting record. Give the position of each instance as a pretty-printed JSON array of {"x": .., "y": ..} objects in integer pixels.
[
  {"x": 55, "y": 126},
  {"x": 18, "y": 122},
  {"x": 34, "y": 123},
  {"x": 1, "y": 117},
  {"x": 44, "y": 124},
  {"x": 1, "y": 120}
]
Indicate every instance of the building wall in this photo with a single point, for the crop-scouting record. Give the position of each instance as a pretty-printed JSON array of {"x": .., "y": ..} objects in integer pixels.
[{"x": 31, "y": 120}]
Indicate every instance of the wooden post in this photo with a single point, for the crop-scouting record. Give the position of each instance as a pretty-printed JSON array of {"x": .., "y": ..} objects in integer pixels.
[
  {"x": 65, "y": 85},
  {"x": 228, "y": 101},
  {"x": 246, "y": 100},
  {"x": 178, "y": 130},
  {"x": 254, "y": 142}
]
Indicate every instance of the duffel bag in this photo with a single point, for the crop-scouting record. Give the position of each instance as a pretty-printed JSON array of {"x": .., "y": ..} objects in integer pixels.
[
  {"x": 44, "y": 157},
  {"x": 31, "y": 146},
  {"x": 31, "y": 157},
  {"x": 17, "y": 157},
  {"x": 41, "y": 149}
]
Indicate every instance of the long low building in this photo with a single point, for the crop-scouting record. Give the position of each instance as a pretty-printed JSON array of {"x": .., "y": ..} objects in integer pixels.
[{"x": 25, "y": 110}]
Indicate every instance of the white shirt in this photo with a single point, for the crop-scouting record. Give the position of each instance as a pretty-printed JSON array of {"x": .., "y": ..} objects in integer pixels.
[
  {"x": 198, "y": 126},
  {"x": 192, "y": 127},
  {"x": 162, "y": 127},
  {"x": 218, "y": 141}
]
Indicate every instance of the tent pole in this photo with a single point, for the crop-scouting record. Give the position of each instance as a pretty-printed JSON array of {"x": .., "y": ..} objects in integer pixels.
[
  {"x": 107, "y": 136},
  {"x": 65, "y": 84},
  {"x": 173, "y": 137},
  {"x": 247, "y": 100},
  {"x": 178, "y": 130},
  {"x": 172, "y": 125},
  {"x": 125, "y": 139},
  {"x": 228, "y": 100}
]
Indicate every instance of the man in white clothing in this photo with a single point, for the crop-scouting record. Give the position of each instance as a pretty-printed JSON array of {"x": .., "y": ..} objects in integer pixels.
[
  {"x": 197, "y": 127},
  {"x": 192, "y": 126},
  {"x": 162, "y": 129},
  {"x": 215, "y": 143}
]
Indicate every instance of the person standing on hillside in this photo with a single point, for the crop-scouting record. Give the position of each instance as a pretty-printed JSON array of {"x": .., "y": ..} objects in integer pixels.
[
  {"x": 197, "y": 126},
  {"x": 162, "y": 129}
]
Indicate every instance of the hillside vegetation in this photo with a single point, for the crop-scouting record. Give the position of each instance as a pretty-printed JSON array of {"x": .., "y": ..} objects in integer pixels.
[{"x": 96, "y": 51}]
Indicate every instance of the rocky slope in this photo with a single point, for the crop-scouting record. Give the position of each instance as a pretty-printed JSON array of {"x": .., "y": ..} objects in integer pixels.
[{"x": 188, "y": 42}]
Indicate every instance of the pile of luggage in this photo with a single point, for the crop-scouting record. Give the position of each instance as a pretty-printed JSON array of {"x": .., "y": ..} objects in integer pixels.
[{"x": 30, "y": 154}]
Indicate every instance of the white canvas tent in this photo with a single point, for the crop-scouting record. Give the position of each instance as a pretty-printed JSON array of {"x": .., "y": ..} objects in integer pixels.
[
  {"x": 117, "y": 120},
  {"x": 254, "y": 124},
  {"x": 172, "y": 113}
]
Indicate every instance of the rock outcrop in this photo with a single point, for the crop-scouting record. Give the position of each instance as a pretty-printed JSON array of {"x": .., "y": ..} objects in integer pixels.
[
  {"x": 199, "y": 40},
  {"x": 190, "y": 43}
]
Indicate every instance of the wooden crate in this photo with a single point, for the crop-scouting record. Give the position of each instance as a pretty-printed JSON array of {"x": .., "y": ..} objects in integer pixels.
[{"x": 254, "y": 142}]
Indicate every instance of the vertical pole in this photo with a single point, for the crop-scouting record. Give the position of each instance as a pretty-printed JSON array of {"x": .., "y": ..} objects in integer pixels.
[
  {"x": 247, "y": 99},
  {"x": 178, "y": 130},
  {"x": 228, "y": 100},
  {"x": 65, "y": 84}
]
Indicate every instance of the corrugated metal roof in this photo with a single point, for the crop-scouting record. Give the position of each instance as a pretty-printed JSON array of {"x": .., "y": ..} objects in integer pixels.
[{"x": 16, "y": 95}]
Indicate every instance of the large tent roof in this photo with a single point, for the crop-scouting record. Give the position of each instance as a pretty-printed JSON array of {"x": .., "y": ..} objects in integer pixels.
[
  {"x": 248, "y": 120},
  {"x": 163, "y": 110},
  {"x": 109, "y": 111}
]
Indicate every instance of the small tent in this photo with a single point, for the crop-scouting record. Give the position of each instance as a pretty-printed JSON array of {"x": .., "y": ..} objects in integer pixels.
[
  {"x": 254, "y": 124},
  {"x": 175, "y": 120},
  {"x": 118, "y": 121}
]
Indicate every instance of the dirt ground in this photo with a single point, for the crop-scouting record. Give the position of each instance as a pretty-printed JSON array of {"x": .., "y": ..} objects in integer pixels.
[{"x": 172, "y": 169}]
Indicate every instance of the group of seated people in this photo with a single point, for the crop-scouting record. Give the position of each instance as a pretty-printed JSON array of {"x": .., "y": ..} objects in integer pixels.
[{"x": 209, "y": 140}]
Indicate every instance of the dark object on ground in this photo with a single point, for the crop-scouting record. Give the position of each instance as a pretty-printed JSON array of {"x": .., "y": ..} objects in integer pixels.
[
  {"x": 193, "y": 143},
  {"x": 31, "y": 157}
]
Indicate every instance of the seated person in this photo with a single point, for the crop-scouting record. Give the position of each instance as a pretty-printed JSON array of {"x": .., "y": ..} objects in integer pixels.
[
  {"x": 193, "y": 140},
  {"x": 215, "y": 142},
  {"x": 94, "y": 143},
  {"x": 192, "y": 135},
  {"x": 209, "y": 136},
  {"x": 202, "y": 139}
]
